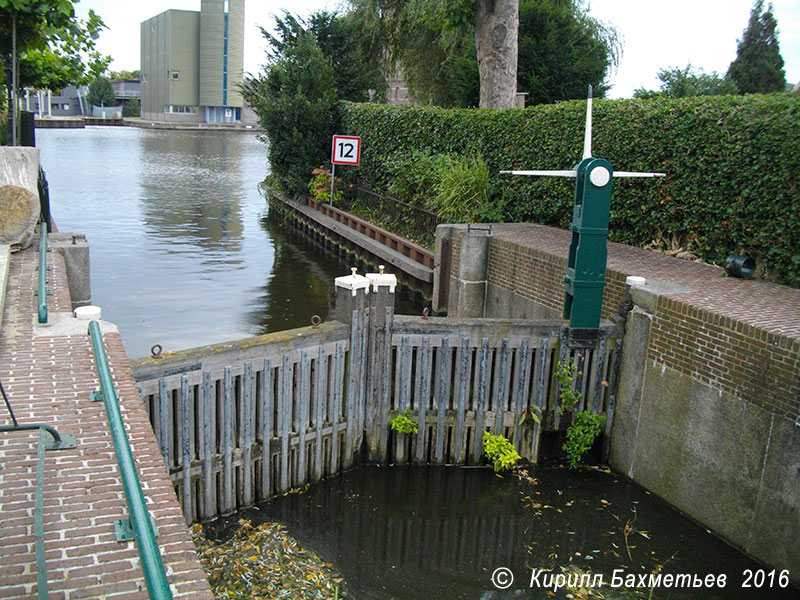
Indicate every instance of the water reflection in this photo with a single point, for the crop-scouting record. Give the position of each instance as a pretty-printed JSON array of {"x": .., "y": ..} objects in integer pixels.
[
  {"x": 440, "y": 532},
  {"x": 181, "y": 254},
  {"x": 193, "y": 190}
]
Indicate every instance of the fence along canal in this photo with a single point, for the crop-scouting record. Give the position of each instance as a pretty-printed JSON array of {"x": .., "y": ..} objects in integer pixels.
[{"x": 241, "y": 422}]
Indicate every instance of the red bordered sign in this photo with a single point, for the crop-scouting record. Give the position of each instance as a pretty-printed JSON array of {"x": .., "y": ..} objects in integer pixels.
[{"x": 346, "y": 150}]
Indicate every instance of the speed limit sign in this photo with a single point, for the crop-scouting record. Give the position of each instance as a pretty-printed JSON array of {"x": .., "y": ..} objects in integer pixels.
[{"x": 346, "y": 150}]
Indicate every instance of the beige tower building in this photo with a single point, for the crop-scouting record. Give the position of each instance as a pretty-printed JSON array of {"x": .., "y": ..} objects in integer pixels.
[{"x": 192, "y": 64}]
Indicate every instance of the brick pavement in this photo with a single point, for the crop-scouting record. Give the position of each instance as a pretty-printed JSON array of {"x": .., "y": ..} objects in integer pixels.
[{"x": 48, "y": 375}]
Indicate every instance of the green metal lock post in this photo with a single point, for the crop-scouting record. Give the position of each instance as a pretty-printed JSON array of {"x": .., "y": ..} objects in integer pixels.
[{"x": 586, "y": 265}]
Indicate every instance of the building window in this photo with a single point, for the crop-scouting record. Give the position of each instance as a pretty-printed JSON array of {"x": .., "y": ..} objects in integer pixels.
[
  {"x": 175, "y": 75},
  {"x": 180, "y": 109},
  {"x": 143, "y": 77},
  {"x": 65, "y": 107}
]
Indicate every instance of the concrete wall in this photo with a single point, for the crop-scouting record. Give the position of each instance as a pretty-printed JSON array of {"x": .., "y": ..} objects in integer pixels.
[
  {"x": 708, "y": 410},
  {"x": 718, "y": 456}
]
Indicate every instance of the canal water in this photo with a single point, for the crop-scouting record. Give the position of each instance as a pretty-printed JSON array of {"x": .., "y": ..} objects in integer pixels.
[
  {"x": 183, "y": 250},
  {"x": 442, "y": 533}
]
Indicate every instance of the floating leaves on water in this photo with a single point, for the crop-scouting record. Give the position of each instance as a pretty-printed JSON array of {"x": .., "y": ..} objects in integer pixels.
[{"x": 264, "y": 562}]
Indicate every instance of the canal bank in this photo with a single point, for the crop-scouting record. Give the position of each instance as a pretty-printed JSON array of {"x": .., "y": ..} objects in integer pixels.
[{"x": 59, "y": 538}]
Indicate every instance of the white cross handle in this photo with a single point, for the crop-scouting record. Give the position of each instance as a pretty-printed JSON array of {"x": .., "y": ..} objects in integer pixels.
[{"x": 574, "y": 173}]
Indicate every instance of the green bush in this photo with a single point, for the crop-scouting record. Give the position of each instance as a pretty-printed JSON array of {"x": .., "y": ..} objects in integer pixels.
[
  {"x": 296, "y": 103},
  {"x": 403, "y": 424},
  {"x": 462, "y": 189},
  {"x": 732, "y": 164},
  {"x": 500, "y": 452},
  {"x": 581, "y": 435}
]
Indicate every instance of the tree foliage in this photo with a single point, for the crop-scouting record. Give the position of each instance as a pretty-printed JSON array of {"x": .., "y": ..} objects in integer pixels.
[
  {"x": 295, "y": 99},
  {"x": 758, "y": 67},
  {"x": 54, "y": 47},
  {"x": 312, "y": 66},
  {"x": 561, "y": 48},
  {"x": 680, "y": 83},
  {"x": 101, "y": 93},
  {"x": 357, "y": 74}
]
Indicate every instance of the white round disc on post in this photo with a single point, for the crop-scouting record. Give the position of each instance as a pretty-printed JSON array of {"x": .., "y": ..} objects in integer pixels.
[{"x": 599, "y": 176}]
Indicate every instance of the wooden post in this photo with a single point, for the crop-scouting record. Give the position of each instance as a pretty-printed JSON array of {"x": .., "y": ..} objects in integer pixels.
[
  {"x": 381, "y": 316},
  {"x": 351, "y": 308}
]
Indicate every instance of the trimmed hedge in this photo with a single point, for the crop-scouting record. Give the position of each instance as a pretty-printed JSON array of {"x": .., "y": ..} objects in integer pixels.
[{"x": 732, "y": 164}]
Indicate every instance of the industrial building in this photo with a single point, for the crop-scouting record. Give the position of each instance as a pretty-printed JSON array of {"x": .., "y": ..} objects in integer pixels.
[{"x": 192, "y": 64}]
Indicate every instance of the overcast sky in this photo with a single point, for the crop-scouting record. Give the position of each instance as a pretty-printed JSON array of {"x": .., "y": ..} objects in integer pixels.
[{"x": 655, "y": 34}]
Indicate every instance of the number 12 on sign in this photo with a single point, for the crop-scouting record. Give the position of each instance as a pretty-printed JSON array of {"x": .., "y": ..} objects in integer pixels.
[{"x": 346, "y": 150}]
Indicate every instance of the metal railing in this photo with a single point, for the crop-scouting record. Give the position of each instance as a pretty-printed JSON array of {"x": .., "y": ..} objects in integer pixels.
[
  {"x": 43, "y": 275},
  {"x": 143, "y": 532},
  {"x": 38, "y": 510}
]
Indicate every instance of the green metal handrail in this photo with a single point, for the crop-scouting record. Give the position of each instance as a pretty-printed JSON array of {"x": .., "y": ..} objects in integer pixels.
[
  {"x": 43, "y": 275},
  {"x": 155, "y": 577}
]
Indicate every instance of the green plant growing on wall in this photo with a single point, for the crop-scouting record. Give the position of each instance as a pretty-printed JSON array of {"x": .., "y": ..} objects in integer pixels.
[
  {"x": 403, "y": 424},
  {"x": 500, "y": 452},
  {"x": 581, "y": 436},
  {"x": 565, "y": 374},
  {"x": 586, "y": 426}
]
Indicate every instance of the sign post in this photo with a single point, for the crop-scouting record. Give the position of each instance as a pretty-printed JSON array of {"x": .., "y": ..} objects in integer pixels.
[{"x": 345, "y": 150}]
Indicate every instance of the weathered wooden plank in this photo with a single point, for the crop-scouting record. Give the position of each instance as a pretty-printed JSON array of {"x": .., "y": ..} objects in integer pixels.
[
  {"x": 562, "y": 356},
  {"x": 267, "y": 406},
  {"x": 165, "y": 421},
  {"x": 319, "y": 420},
  {"x": 228, "y": 503},
  {"x": 385, "y": 385},
  {"x": 463, "y": 358},
  {"x": 442, "y": 395},
  {"x": 480, "y": 409},
  {"x": 209, "y": 487},
  {"x": 501, "y": 388},
  {"x": 186, "y": 459},
  {"x": 285, "y": 405},
  {"x": 522, "y": 390},
  {"x": 403, "y": 396},
  {"x": 247, "y": 435},
  {"x": 352, "y": 392},
  {"x": 423, "y": 376},
  {"x": 337, "y": 405},
  {"x": 613, "y": 386},
  {"x": 543, "y": 369},
  {"x": 599, "y": 375},
  {"x": 305, "y": 400}
]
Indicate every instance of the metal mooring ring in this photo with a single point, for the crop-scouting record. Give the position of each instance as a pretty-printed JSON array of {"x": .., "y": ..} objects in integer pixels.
[
  {"x": 155, "y": 351},
  {"x": 315, "y": 321},
  {"x": 425, "y": 313}
]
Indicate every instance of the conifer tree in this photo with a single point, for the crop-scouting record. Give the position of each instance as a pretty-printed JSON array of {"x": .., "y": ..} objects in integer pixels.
[{"x": 758, "y": 67}]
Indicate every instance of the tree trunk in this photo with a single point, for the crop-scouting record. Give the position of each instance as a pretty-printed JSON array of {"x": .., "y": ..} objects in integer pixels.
[{"x": 496, "y": 33}]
